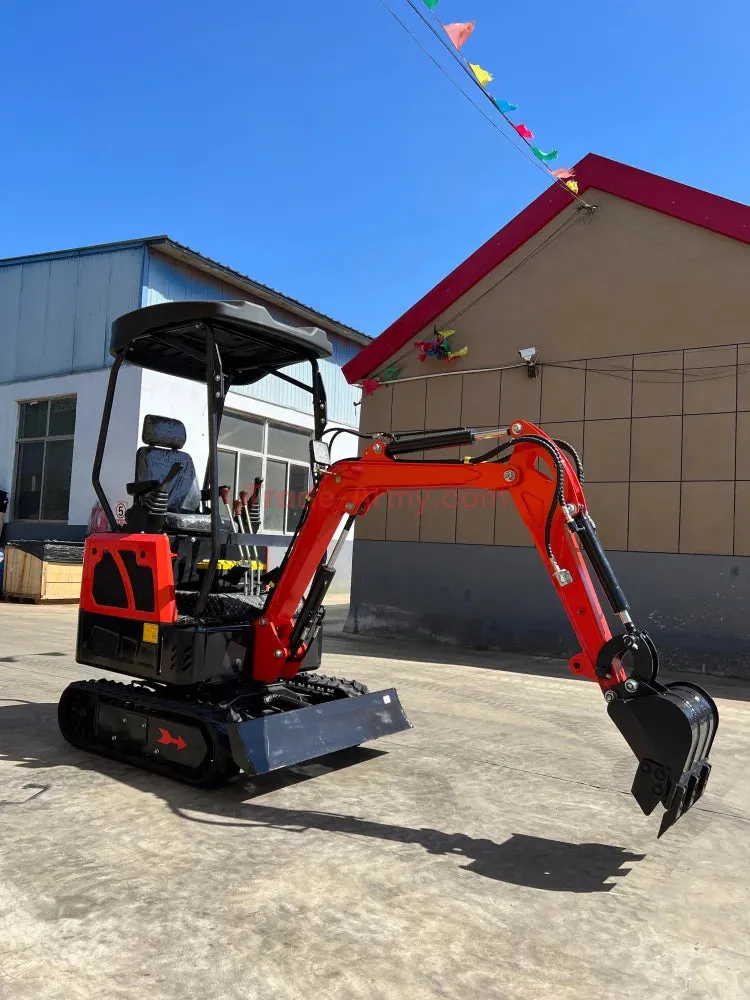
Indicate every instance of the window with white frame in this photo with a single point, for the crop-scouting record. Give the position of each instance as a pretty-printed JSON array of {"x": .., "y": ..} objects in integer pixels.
[
  {"x": 280, "y": 455},
  {"x": 44, "y": 459}
]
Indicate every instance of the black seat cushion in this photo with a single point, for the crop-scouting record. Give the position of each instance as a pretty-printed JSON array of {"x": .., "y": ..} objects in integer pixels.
[
  {"x": 187, "y": 524},
  {"x": 155, "y": 463}
]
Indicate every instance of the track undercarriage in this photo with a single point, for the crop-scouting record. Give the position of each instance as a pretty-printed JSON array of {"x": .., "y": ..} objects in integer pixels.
[{"x": 206, "y": 735}]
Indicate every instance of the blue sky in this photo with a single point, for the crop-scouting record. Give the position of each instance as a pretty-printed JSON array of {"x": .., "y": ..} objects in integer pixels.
[{"x": 314, "y": 147}]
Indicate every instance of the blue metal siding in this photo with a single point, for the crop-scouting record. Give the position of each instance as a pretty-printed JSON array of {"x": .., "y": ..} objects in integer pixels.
[
  {"x": 167, "y": 281},
  {"x": 61, "y": 312},
  {"x": 340, "y": 396},
  {"x": 91, "y": 312},
  {"x": 56, "y": 314},
  {"x": 10, "y": 304},
  {"x": 31, "y": 316}
]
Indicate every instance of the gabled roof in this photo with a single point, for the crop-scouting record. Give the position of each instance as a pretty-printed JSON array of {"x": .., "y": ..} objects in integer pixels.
[
  {"x": 709, "y": 211},
  {"x": 170, "y": 247}
]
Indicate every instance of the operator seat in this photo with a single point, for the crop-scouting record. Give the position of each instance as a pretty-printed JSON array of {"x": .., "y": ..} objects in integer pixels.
[{"x": 163, "y": 438}]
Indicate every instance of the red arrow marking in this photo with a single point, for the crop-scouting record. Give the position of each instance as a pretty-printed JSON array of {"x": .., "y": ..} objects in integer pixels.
[{"x": 167, "y": 738}]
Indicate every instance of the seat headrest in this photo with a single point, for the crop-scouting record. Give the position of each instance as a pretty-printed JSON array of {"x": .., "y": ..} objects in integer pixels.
[{"x": 163, "y": 432}]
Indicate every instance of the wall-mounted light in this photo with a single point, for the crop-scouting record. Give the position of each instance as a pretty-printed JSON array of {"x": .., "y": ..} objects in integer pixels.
[{"x": 530, "y": 355}]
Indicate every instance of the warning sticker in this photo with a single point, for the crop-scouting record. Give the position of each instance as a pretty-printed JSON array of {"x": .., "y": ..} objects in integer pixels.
[{"x": 150, "y": 632}]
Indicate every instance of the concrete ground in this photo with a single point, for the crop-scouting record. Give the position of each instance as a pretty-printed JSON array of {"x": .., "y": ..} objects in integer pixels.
[{"x": 491, "y": 852}]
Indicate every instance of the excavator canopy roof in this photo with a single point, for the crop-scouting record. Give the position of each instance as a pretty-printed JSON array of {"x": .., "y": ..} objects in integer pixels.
[{"x": 171, "y": 337}]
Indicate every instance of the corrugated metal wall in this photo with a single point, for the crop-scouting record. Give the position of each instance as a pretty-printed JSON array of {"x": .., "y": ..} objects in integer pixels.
[
  {"x": 167, "y": 281},
  {"x": 55, "y": 315}
]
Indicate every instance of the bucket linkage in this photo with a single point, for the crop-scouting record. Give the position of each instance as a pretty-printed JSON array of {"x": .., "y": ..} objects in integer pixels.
[{"x": 669, "y": 727}]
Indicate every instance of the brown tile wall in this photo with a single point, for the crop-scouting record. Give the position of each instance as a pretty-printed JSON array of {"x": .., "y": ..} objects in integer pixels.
[{"x": 663, "y": 437}]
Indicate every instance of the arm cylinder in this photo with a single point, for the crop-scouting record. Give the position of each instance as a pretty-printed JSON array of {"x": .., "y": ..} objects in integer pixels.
[{"x": 584, "y": 528}]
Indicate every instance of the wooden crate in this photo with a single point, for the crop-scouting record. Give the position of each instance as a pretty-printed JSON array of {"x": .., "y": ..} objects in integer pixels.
[{"x": 35, "y": 572}]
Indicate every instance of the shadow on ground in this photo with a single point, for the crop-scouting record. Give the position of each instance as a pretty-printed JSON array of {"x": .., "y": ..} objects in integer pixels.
[{"x": 29, "y": 738}]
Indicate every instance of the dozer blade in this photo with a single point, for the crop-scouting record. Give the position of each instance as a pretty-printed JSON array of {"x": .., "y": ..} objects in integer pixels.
[
  {"x": 670, "y": 730},
  {"x": 292, "y": 737}
]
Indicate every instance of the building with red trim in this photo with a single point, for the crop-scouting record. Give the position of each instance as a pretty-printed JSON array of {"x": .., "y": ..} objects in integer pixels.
[{"x": 637, "y": 299}]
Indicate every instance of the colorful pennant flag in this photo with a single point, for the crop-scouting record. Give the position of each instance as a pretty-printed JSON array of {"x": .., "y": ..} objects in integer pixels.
[
  {"x": 545, "y": 157},
  {"x": 459, "y": 33},
  {"x": 432, "y": 4},
  {"x": 564, "y": 173},
  {"x": 369, "y": 385},
  {"x": 572, "y": 185},
  {"x": 524, "y": 132},
  {"x": 481, "y": 74},
  {"x": 504, "y": 106}
]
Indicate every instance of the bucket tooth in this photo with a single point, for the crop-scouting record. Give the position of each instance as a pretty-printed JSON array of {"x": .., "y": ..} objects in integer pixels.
[{"x": 670, "y": 730}]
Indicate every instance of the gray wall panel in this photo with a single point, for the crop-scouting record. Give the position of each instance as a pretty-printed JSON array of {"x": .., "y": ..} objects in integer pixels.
[{"x": 694, "y": 606}]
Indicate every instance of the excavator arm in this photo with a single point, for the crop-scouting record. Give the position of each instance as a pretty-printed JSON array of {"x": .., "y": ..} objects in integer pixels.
[{"x": 670, "y": 728}]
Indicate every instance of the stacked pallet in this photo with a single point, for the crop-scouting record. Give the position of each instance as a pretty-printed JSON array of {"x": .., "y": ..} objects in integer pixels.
[{"x": 42, "y": 572}]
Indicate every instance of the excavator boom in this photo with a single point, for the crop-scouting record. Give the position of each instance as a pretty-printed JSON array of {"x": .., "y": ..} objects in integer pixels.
[{"x": 670, "y": 728}]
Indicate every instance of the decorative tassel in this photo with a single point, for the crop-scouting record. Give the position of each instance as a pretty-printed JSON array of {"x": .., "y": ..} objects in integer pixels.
[{"x": 437, "y": 347}]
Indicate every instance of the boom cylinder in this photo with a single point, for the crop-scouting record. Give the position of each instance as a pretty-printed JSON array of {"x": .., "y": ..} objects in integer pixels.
[{"x": 402, "y": 444}]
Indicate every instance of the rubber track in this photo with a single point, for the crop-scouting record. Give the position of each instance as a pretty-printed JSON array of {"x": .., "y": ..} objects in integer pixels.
[
  {"x": 132, "y": 697},
  {"x": 210, "y": 717}
]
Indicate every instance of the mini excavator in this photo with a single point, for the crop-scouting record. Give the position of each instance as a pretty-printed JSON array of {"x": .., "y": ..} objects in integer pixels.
[{"x": 225, "y": 674}]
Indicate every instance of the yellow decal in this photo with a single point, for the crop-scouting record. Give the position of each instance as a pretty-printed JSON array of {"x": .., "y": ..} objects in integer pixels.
[{"x": 150, "y": 632}]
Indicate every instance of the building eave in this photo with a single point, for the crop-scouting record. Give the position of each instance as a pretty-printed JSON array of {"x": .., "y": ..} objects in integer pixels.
[
  {"x": 700, "y": 208},
  {"x": 221, "y": 272}
]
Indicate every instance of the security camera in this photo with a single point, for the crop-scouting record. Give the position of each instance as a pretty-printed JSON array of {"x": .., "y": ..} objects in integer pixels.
[{"x": 529, "y": 355}]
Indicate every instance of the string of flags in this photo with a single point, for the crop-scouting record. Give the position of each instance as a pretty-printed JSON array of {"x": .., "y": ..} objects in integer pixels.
[
  {"x": 438, "y": 346},
  {"x": 459, "y": 33},
  {"x": 369, "y": 385}
]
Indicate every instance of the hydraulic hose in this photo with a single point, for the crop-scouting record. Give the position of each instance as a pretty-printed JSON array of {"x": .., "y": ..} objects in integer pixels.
[
  {"x": 566, "y": 446},
  {"x": 559, "y": 496}
]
